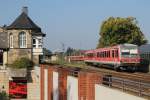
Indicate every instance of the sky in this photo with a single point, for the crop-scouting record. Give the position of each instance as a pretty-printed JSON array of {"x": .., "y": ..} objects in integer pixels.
[{"x": 75, "y": 23}]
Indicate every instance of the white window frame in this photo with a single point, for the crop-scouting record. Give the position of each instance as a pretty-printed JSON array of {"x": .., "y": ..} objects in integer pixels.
[
  {"x": 37, "y": 44},
  {"x": 22, "y": 40},
  {"x": 11, "y": 40}
]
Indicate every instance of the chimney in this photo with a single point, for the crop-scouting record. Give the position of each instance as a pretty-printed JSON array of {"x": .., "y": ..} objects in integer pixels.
[{"x": 25, "y": 10}]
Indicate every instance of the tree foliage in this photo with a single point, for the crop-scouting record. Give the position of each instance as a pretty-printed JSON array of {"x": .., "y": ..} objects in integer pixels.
[{"x": 120, "y": 30}]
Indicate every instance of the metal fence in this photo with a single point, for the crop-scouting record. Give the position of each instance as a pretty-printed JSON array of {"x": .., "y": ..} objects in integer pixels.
[{"x": 135, "y": 87}]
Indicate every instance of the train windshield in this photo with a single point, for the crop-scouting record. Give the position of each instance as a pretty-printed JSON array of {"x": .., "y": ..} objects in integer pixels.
[{"x": 129, "y": 53}]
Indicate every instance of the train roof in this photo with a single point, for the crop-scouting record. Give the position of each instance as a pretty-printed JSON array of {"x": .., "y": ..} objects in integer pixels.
[{"x": 113, "y": 47}]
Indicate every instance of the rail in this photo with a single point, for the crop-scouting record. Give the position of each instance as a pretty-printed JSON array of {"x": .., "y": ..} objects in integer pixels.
[{"x": 139, "y": 88}]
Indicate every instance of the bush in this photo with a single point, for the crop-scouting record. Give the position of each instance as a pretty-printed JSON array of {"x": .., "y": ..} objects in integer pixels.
[
  {"x": 4, "y": 96},
  {"x": 22, "y": 63}
]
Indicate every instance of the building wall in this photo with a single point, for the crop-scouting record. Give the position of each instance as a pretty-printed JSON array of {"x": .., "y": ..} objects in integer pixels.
[
  {"x": 106, "y": 93},
  {"x": 5, "y": 59},
  {"x": 4, "y": 81},
  {"x": 72, "y": 88},
  {"x": 33, "y": 90},
  {"x": 55, "y": 86},
  {"x": 36, "y": 59},
  {"x": 16, "y": 37},
  {"x": 16, "y": 52}
]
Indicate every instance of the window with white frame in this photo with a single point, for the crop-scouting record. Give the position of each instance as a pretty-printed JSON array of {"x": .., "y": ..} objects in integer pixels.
[
  {"x": 22, "y": 40},
  {"x": 11, "y": 40},
  {"x": 37, "y": 42},
  {"x": 34, "y": 43}
]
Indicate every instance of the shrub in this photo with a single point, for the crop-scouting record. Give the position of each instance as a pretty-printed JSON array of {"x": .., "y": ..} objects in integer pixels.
[
  {"x": 4, "y": 96},
  {"x": 22, "y": 63}
]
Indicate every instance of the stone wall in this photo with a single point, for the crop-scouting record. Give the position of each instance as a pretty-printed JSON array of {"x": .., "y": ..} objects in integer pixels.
[
  {"x": 4, "y": 81},
  {"x": 16, "y": 37},
  {"x": 36, "y": 59},
  {"x": 16, "y": 52}
]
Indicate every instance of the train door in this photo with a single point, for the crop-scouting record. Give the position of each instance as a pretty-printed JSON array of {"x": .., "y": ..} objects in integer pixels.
[{"x": 115, "y": 55}]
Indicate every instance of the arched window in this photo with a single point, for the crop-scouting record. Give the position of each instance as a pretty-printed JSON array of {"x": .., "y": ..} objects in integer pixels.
[
  {"x": 22, "y": 40},
  {"x": 11, "y": 40}
]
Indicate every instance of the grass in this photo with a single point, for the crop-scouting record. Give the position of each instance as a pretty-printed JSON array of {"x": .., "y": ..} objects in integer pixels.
[{"x": 79, "y": 64}]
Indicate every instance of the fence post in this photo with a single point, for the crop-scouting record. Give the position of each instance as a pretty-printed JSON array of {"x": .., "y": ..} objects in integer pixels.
[
  {"x": 123, "y": 85},
  {"x": 140, "y": 88},
  {"x": 109, "y": 78}
]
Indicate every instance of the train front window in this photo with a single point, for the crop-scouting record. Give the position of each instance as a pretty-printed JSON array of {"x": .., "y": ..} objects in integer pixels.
[
  {"x": 129, "y": 53},
  {"x": 125, "y": 54}
]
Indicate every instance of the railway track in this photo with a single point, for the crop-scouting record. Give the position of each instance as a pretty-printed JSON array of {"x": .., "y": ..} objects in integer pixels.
[
  {"x": 145, "y": 77},
  {"x": 133, "y": 83}
]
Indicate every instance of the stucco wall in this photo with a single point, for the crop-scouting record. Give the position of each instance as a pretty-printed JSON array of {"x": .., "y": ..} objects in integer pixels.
[
  {"x": 105, "y": 93},
  {"x": 72, "y": 88},
  {"x": 4, "y": 81},
  {"x": 45, "y": 84},
  {"x": 34, "y": 85},
  {"x": 55, "y": 86}
]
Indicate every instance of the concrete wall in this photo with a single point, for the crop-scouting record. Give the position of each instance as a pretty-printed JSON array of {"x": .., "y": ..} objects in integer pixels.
[
  {"x": 4, "y": 81},
  {"x": 72, "y": 88},
  {"x": 5, "y": 58},
  {"x": 55, "y": 86},
  {"x": 34, "y": 86},
  {"x": 105, "y": 93},
  {"x": 46, "y": 84}
]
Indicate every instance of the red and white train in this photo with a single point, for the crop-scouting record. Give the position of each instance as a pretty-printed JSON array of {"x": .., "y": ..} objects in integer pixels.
[
  {"x": 119, "y": 57},
  {"x": 123, "y": 57}
]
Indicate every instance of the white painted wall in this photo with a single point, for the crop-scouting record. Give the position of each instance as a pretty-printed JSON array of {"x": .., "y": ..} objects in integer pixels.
[
  {"x": 105, "y": 93},
  {"x": 55, "y": 86},
  {"x": 72, "y": 88},
  {"x": 45, "y": 84}
]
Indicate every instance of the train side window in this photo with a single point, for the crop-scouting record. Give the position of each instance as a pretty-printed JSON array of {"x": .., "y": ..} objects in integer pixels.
[
  {"x": 103, "y": 54},
  {"x": 98, "y": 54},
  {"x": 113, "y": 53},
  {"x": 116, "y": 53},
  {"x": 108, "y": 53}
]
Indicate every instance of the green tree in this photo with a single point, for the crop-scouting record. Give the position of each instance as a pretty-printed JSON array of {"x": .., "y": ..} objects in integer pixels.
[
  {"x": 69, "y": 51},
  {"x": 120, "y": 30}
]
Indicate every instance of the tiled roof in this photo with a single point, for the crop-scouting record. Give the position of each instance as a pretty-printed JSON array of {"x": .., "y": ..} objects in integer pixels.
[
  {"x": 24, "y": 22},
  {"x": 3, "y": 40}
]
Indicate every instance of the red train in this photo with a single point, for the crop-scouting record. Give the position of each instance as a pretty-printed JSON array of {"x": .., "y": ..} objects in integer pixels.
[{"x": 119, "y": 57}]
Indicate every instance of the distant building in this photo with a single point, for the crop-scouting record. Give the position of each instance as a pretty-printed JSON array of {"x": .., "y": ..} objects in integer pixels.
[
  {"x": 145, "y": 51},
  {"x": 145, "y": 55}
]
